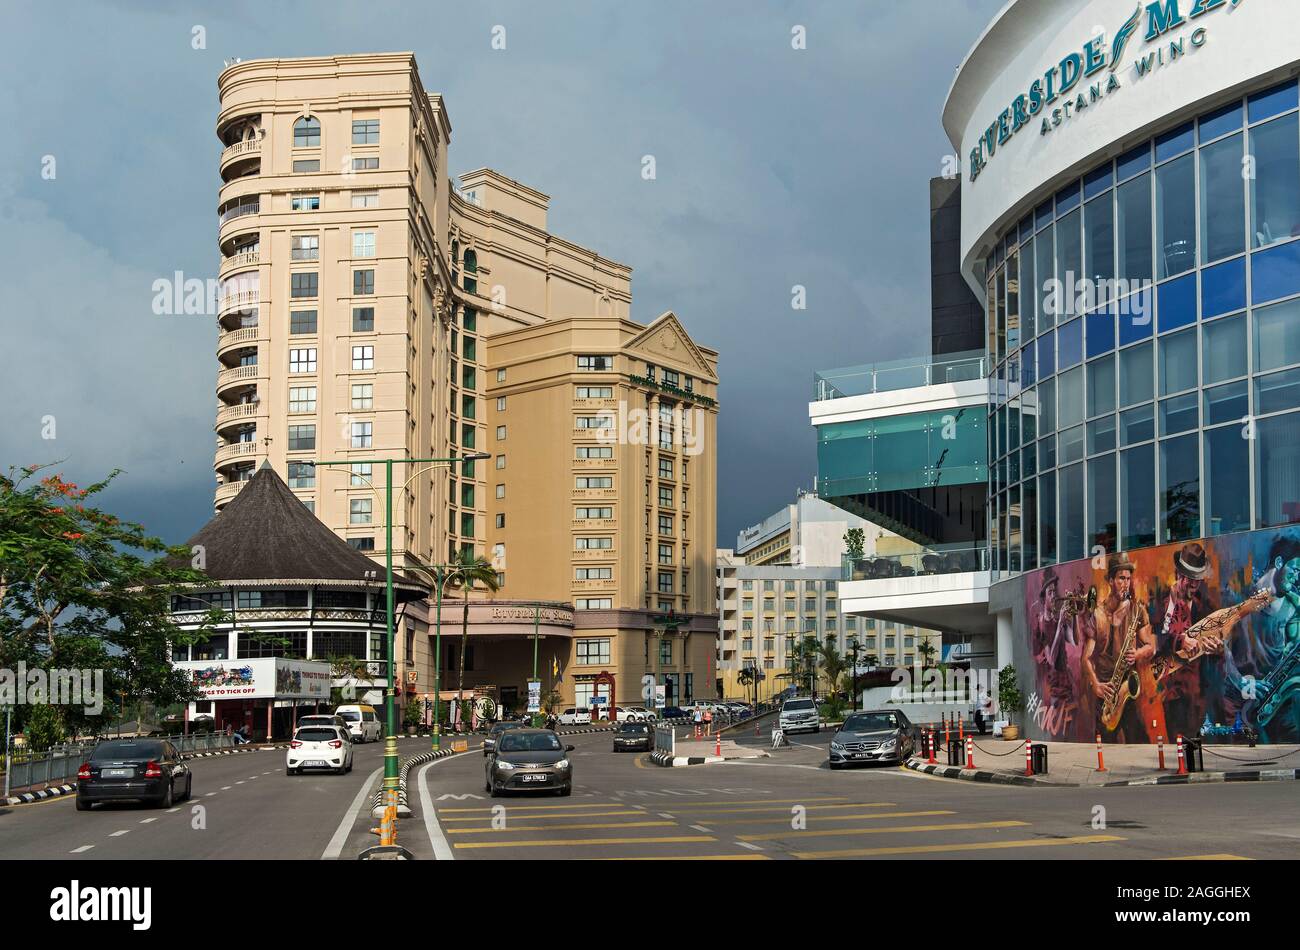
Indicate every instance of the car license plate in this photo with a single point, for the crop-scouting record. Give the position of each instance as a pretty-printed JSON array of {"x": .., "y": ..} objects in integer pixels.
[
  {"x": 314, "y": 763},
  {"x": 117, "y": 773},
  {"x": 861, "y": 755},
  {"x": 540, "y": 777}
]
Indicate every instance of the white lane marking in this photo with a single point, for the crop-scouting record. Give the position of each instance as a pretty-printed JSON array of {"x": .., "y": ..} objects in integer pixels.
[
  {"x": 751, "y": 847},
  {"x": 225, "y": 788},
  {"x": 209, "y": 795},
  {"x": 170, "y": 811},
  {"x": 118, "y": 834},
  {"x": 441, "y": 850},
  {"x": 664, "y": 814},
  {"x": 241, "y": 781},
  {"x": 84, "y": 847},
  {"x": 335, "y": 847},
  {"x": 700, "y": 828},
  {"x": 251, "y": 777},
  {"x": 145, "y": 821}
]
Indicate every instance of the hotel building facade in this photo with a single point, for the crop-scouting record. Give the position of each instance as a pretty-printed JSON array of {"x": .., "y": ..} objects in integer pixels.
[{"x": 370, "y": 307}]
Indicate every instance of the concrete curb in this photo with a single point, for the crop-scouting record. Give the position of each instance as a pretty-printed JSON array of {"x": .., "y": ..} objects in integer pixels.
[
  {"x": 1194, "y": 778},
  {"x": 662, "y": 758},
  {"x": 26, "y": 798}
]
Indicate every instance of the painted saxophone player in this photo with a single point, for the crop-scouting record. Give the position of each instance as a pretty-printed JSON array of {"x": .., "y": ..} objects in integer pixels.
[{"x": 1116, "y": 662}]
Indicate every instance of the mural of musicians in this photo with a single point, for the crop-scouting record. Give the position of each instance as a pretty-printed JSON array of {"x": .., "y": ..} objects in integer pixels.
[
  {"x": 1184, "y": 605},
  {"x": 1268, "y": 662},
  {"x": 1122, "y": 639}
]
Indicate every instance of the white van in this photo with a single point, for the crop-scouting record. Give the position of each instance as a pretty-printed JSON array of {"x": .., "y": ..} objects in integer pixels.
[
  {"x": 575, "y": 715},
  {"x": 363, "y": 722}
]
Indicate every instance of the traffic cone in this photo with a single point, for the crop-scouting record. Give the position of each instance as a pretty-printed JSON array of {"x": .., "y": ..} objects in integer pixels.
[
  {"x": 1101, "y": 762},
  {"x": 1182, "y": 761},
  {"x": 970, "y": 753},
  {"x": 717, "y": 745},
  {"x": 1029, "y": 758}
]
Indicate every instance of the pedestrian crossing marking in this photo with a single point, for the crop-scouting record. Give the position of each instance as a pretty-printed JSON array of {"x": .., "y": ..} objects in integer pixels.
[{"x": 964, "y": 846}]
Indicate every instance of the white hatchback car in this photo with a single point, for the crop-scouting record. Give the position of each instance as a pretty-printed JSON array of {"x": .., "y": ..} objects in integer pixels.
[
  {"x": 635, "y": 714},
  {"x": 319, "y": 747},
  {"x": 575, "y": 715}
]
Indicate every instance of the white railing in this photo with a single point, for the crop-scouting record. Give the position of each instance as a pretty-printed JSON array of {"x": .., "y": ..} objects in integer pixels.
[
  {"x": 235, "y": 373},
  {"x": 239, "y": 210},
  {"x": 246, "y": 147}
]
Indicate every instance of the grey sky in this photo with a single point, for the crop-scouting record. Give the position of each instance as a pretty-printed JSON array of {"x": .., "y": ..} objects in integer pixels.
[{"x": 775, "y": 167}]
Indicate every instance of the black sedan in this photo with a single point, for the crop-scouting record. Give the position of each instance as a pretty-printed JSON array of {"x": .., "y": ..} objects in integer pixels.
[
  {"x": 529, "y": 760},
  {"x": 147, "y": 770},
  {"x": 634, "y": 737},
  {"x": 881, "y": 735}
]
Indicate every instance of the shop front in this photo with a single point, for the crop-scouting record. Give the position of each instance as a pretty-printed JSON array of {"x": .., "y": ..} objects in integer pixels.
[{"x": 264, "y": 696}]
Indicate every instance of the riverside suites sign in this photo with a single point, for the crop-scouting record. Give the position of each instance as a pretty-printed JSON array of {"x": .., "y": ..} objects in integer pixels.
[{"x": 1056, "y": 85}]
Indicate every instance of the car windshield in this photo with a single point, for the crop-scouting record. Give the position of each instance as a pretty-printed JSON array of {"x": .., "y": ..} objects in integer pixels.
[
  {"x": 127, "y": 750},
  {"x": 530, "y": 742},
  {"x": 871, "y": 722},
  {"x": 316, "y": 721},
  {"x": 634, "y": 727},
  {"x": 316, "y": 734},
  {"x": 503, "y": 726},
  {"x": 349, "y": 716},
  {"x": 797, "y": 704}
]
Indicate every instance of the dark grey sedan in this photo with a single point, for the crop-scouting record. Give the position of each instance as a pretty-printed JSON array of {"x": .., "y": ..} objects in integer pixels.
[
  {"x": 146, "y": 770},
  {"x": 529, "y": 760},
  {"x": 633, "y": 737},
  {"x": 879, "y": 735},
  {"x": 490, "y": 740}
]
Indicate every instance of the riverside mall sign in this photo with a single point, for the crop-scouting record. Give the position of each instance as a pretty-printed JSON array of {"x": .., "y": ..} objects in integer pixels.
[{"x": 1051, "y": 96}]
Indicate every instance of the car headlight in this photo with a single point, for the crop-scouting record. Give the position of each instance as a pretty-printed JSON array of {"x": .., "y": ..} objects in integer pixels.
[
  {"x": 836, "y": 747},
  {"x": 889, "y": 743},
  {"x": 504, "y": 766},
  {"x": 562, "y": 764}
]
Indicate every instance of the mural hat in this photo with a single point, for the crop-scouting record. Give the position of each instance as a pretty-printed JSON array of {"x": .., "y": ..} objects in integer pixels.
[
  {"x": 1117, "y": 563},
  {"x": 1192, "y": 562}
]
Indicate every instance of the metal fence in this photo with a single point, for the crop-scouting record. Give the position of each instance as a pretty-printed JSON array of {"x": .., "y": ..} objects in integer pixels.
[{"x": 61, "y": 762}]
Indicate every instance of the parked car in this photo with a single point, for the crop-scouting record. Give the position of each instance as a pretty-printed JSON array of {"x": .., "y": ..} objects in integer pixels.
[
  {"x": 635, "y": 714},
  {"x": 673, "y": 712},
  {"x": 363, "y": 722},
  {"x": 634, "y": 736},
  {"x": 319, "y": 747},
  {"x": 877, "y": 735},
  {"x": 146, "y": 770},
  {"x": 490, "y": 740},
  {"x": 323, "y": 719},
  {"x": 799, "y": 715},
  {"x": 529, "y": 760},
  {"x": 575, "y": 715}
]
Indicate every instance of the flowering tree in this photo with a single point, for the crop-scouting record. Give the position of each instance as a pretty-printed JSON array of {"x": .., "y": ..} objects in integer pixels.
[{"x": 81, "y": 589}]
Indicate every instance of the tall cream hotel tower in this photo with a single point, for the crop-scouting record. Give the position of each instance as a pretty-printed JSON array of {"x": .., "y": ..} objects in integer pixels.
[{"x": 372, "y": 308}]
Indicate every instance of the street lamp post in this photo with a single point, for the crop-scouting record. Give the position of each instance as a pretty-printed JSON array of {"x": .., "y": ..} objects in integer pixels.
[
  {"x": 392, "y": 770},
  {"x": 854, "y": 675}
]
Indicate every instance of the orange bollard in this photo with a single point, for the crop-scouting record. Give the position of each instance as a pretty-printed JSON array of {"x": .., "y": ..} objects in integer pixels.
[
  {"x": 1160, "y": 752},
  {"x": 947, "y": 737},
  {"x": 1029, "y": 758},
  {"x": 961, "y": 730},
  {"x": 717, "y": 744},
  {"x": 970, "y": 753},
  {"x": 1101, "y": 762},
  {"x": 933, "y": 741},
  {"x": 1182, "y": 762}
]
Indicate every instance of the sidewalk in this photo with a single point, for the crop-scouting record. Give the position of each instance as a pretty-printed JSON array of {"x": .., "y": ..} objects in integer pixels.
[
  {"x": 705, "y": 752},
  {"x": 1075, "y": 763}
]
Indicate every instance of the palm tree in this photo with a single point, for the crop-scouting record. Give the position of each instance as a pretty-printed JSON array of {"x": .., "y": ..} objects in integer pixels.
[
  {"x": 834, "y": 663},
  {"x": 927, "y": 651},
  {"x": 469, "y": 569}
]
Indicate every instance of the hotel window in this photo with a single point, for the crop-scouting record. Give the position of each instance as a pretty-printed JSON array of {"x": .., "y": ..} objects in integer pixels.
[
  {"x": 302, "y": 475},
  {"x": 302, "y": 321},
  {"x": 469, "y": 319},
  {"x": 592, "y": 652},
  {"x": 500, "y": 520},
  {"x": 749, "y": 603},
  {"x": 747, "y": 626},
  {"x": 594, "y": 422},
  {"x": 363, "y": 357},
  {"x": 305, "y": 203},
  {"x": 468, "y": 406},
  {"x": 359, "y": 510},
  {"x": 363, "y": 243},
  {"x": 593, "y": 544},
  {"x": 810, "y": 603},
  {"x": 587, "y": 514},
  {"x": 501, "y": 376},
  {"x": 302, "y": 398},
  {"x": 598, "y": 481},
  {"x": 747, "y": 644},
  {"x": 363, "y": 319},
  {"x": 467, "y": 441},
  {"x": 665, "y": 554},
  {"x": 364, "y": 164},
  {"x": 365, "y": 199},
  {"x": 501, "y": 460},
  {"x": 304, "y": 247},
  {"x": 365, "y": 131},
  {"x": 748, "y": 585},
  {"x": 362, "y": 435},
  {"x": 594, "y": 603},
  {"x": 304, "y": 285},
  {"x": 501, "y": 403},
  {"x": 306, "y": 165},
  {"x": 302, "y": 438},
  {"x": 467, "y": 527},
  {"x": 595, "y": 364},
  {"x": 665, "y": 468},
  {"x": 302, "y": 361},
  {"x": 359, "y": 475},
  {"x": 595, "y": 392},
  {"x": 593, "y": 573},
  {"x": 665, "y": 652},
  {"x": 666, "y": 524},
  {"x": 306, "y": 132},
  {"x": 690, "y": 384},
  {"x": 468, "y": 378},
  {"x": 363, "y": 282},
  {"x": 363, "y": 396},
  {"x": 362, "y": 544},
  {"x": 666, "y": 497},
  {"x": 650, "y": 372},
  {"x": 501, "y": 491},
  {"x": 501, "y": 433},
  {"x": 671, "y": 378},
  {"x": 595, "y": 452},
  {"x": 769, "y": 644}
]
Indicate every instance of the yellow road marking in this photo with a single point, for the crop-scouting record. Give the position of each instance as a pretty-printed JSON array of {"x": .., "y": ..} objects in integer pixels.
[
  {"x": 820, "y": 818},
  {"x": 512, "y": 813},
  {"x": 594, "y": 824},
  {"x": 581, "y": 842},
  {"x": 972, "y": 846},
  {"x": 785, "y": 808},
  {"x": 695, "y": 803},
  {"x": 1208, "y": 857},
  {"x": 893, "y": 829},
  {"x": 693, "y": 857},
  {"x": 488, "y": 808}
]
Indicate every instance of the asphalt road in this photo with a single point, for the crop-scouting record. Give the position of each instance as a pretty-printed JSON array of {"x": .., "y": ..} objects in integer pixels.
[{"x": 787, "y": 806}]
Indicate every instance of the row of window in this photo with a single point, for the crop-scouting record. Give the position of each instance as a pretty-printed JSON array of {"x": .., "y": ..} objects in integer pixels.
[
  {"x": 306, "y": 247},
  {"x": 306, "y": 323},
  {"x": 306, "y": 284},
  {"x": 306, "y": 132},
  {"x": 303, "y": 359}
]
